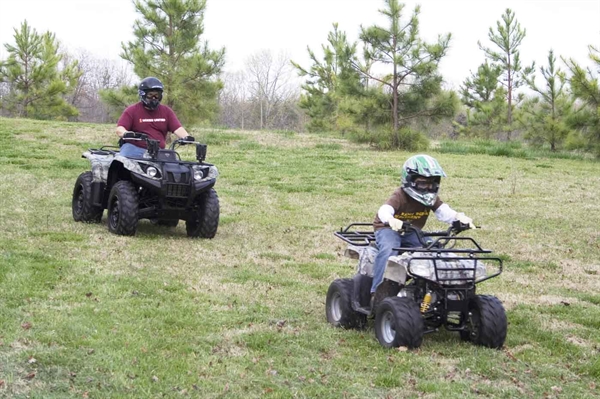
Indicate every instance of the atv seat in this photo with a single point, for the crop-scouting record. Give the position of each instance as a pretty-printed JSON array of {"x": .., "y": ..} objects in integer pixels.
[{"x": 168, "y": 155}]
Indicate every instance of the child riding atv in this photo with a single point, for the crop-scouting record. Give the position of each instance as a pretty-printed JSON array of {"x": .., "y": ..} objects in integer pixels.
[
  {"x": 414, "y": 282},
  {"x": 411, "y": 202}
]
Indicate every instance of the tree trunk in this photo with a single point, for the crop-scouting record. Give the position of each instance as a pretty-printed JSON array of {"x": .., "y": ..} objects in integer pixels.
[
  {"x": 509, "y": 111},
  {"x": 261, "y": 114},
  {"x": 396, "y": 137}
]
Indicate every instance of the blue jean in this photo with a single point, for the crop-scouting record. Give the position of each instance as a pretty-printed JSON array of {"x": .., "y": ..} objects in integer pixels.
[
  {"x": 387, "y": 239},
  {"x": 131, "y": 151}
]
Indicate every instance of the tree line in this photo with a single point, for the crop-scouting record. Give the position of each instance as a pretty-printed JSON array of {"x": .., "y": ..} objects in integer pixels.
[{"x": 384, "y": 89}]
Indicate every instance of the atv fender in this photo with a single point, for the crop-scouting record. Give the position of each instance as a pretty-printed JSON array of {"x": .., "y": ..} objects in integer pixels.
[
  {"x": 352, "y": 252},
  {"x": 202, "y": 186},
  {"x": 395, "y": 270},
  {"x": 146, "y": 181}
]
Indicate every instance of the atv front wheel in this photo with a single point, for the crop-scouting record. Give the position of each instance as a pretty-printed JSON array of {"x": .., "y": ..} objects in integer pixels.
[
  {"x": 338, "y": 305},
  {"x": 205, "y": 219},
  {"x": 487, "y": 322},
  {"x": 82, "y": 206},
  {"x": 123, "y": 209},
  {"x": 398, "y": 322}
]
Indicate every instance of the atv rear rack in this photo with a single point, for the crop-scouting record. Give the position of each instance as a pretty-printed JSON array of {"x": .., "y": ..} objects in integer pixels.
[{"x": 358, "y": 238}]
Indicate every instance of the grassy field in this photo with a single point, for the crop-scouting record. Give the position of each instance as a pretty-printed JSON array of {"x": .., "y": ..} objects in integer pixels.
[{"x": 87, "y": 314}]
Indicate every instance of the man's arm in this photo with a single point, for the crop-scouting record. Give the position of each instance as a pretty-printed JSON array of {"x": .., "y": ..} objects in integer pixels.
[
  {"x": 181, "y": 133},
  {"x": 120, "y": 131}
]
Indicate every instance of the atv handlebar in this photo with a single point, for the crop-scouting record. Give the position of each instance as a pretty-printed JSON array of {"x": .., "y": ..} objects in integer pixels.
[
  {"x": 134, "y": 136},
  {"x": 153, "y": 145},
  {"x": 454, "y": 229},
  {"x": 183, "y": 141},
  {"x": 353, "y": 234},
  {"x": 440, "y": 239},
  {"x": 200, "y": 148}
]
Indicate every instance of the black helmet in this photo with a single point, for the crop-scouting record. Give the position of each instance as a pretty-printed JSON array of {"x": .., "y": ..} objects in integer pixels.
[{"x": 150, "y": 84}]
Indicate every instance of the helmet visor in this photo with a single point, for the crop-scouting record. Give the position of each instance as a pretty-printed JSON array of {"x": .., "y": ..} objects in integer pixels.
[
  {"x": 426, "y": 184},
  {"x": 153, "y": 95}
]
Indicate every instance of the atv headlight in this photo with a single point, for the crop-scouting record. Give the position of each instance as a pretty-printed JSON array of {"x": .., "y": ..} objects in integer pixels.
[
  {"x": 213, "y": 172},
  {"x": 480, "y": 271},
  {"x": 151, "y": 171},
  {"x": 423, "y": 268},
  {"x": 198, "y": 172}
]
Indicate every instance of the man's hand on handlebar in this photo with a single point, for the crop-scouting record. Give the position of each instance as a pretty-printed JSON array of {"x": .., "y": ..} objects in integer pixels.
[
  {"x": 186, "y": 140},
  {"x": 133, "y": 136}
]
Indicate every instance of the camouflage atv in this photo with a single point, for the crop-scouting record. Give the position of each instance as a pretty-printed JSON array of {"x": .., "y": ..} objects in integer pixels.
[
  {"x": 158, "y": 186},
  {"x": 423, "y": 289}
]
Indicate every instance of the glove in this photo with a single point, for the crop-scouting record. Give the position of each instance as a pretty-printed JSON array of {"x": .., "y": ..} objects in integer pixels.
[
  {"x": 464, "y": 219},
  {"x": 128, "y": 135},
  {"x": 395, "y": 224},
  {"x": 189, "y": 138}
]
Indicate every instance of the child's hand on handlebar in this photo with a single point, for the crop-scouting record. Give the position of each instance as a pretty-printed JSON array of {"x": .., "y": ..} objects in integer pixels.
[
  {"x": 464, "y": 219},
  {"x": 395, "y": 224}
]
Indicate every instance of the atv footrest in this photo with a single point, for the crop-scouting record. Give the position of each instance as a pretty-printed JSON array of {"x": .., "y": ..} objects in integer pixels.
[{"x": 362, "y": 310}]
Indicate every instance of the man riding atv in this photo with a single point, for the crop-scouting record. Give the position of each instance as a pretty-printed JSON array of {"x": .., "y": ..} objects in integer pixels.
[
  {"x": 143, "y": 180},
  {"x": 148, "y": 116}
]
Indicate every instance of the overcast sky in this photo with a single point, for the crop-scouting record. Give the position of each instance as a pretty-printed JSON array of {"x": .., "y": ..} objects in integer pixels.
[{"x": 244, "y": 27}]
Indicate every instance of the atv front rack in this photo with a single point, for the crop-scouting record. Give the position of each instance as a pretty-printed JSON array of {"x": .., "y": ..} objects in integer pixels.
[
  {"x": 433, "y": 250},
  {"x": 444, "y": 260}
]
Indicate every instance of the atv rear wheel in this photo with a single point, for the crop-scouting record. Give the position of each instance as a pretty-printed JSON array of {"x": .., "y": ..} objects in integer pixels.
[
  {"x": 123, "y": 209},
  {"x": 398, "y": 322},
  {"x": 487, "y": 322},
  {"x": 82, "y": 205},
  {"x": 205, "y": 219},
  {"x": 338, "y": 305}
]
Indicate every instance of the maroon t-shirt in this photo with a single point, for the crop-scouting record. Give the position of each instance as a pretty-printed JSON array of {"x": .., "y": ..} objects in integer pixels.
[
  {"x": 156, "y": 123},
  {"x": 407, "y": 209}
]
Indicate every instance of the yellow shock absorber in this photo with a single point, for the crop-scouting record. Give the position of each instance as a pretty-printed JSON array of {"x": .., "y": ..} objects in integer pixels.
[{"x": 426, "y": 303}]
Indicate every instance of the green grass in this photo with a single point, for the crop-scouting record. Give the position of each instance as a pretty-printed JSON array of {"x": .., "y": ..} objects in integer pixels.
[
  {"x": 511, "y": 149},
  {"x": 84, "y": 313}
]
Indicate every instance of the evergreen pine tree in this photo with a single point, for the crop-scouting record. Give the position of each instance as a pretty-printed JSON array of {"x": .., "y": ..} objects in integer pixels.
[
  {"x": 481, "y": 86},
  {"x": 411, "y": 75},
  {"x": 486, "y": 100},
  {"x": 507, "y": 38},
  {"x": 545, "y": 115},
  {"x": 37, "y": 88},
  {"x": 586, "y": 87},
  {"x": 331, "y": 84}
]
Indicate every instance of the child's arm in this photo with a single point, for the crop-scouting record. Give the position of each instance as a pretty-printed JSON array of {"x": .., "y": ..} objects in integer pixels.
[
  {"x": 448, "y": 215},
  {"x": 385, "y": 213}
]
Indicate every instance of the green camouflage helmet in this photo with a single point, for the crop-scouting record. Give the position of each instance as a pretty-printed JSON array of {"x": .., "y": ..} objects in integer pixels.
[{"x": 421, "y": 166}]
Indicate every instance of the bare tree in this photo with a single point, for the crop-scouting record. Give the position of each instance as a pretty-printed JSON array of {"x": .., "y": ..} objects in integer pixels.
[
  {"x": 4, "y": 92},
  {"x": 271, "y": 87},
  {"x": 97, "y": 74},
  {"x": 234, "y": 100},
  {"x": 263, "y": 96}
]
